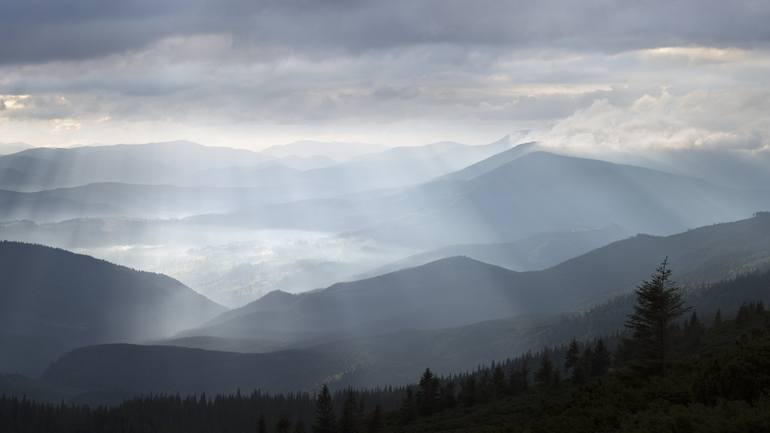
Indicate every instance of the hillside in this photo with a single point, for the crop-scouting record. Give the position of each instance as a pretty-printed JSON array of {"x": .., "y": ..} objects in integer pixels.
[
  {"x": 431, "y": 296},
  {"x": 53, "y": 300},
  {"x": 31, "y": 206},
  {"x": 152, "y": 163},
  {"x": 532, "y": 253},
  {"x": 507, "y": 197},
  {"x": 457, "y": 291},
  {"x": 543, "y": 192},
  {"x": 392, "y": 359}
]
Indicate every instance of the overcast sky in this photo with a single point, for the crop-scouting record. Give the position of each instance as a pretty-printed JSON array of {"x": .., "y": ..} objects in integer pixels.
[{"x": 251, "y": 73}]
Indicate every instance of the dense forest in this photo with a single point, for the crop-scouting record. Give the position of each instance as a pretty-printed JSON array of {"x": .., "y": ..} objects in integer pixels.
[{"x": 670, "y": 371}]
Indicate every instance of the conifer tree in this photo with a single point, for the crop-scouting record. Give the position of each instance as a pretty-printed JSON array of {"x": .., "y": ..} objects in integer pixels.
[
  {"x": 545, "y": 374},
  {"x": 659, "y": 304},
  {"x": 283, "y": 425},
  {"x": 498, "y": 380},
  {"x": 348, "y": 416},
  {"x": 447, "y": 398},
  {"x": 325, "y": 420},
  {"x": 427, "y": 393},
  {"x": 485, "y": 388},
  {"x": 556, "y": 378},
  {"x": 375, "y": 420},
  {"x": 601, "y": 359},
  {"x": 519, "y": 379},
  {"x": 573, "y": 355},
  {"x": 579, "y": 373},
  {"x": 468, "y": 391},
  {"x": 408, "y": 410}
]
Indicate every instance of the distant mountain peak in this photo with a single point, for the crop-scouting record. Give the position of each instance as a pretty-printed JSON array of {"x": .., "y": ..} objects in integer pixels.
[
  {"x": 495, "y": 161},
  {"x": 338, "y": 151}
]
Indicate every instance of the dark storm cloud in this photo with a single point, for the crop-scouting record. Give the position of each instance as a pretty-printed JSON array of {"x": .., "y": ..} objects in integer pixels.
[{"x": 33, "y": 31}]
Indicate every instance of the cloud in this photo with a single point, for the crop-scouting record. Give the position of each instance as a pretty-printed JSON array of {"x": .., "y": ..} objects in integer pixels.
[
  {"x": 33, "y": 31},
  {"x": 252, "y": 73},
  {"x": 694, "y": 120}
]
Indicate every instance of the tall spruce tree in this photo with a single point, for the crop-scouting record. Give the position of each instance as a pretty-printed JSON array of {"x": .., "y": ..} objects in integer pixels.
[
  {"x": 659, "y": 304},
  {"x": 572, "y": 358},
  {"x": 601, "y": 359},
  {"x": 544, "y": 376},
  {"x": 348, "y": 416},
  {"x": 408, "y": 411},
  {"x": 498, "y": 380},
  {"x": 428, "y": 393},
  {"x": 325, "y": 420}
]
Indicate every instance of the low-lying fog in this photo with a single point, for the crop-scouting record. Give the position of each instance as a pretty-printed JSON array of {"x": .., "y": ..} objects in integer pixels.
[{"x": 236, "y": 269}]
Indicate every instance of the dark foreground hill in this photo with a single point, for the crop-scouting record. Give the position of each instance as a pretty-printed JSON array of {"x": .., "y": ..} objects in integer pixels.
[
  {"x": 393, "y": 359},
  {"x": 717, "y": 381},
  {"x": 52, "y": 300}
]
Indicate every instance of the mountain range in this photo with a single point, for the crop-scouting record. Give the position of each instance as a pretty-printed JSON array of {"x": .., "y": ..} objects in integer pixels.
[
  {"x": 436, "y": 295},
  {"x": 9, "y": 148},
  {"x": 397, "y": 357},
  {"x": 510, "y": 196}
]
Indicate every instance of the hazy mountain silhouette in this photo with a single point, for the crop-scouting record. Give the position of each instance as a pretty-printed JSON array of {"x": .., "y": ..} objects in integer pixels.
[
  {"x": 528, "y": 254},
  {"x": 541, "y": 192},
  {"x": 35, "y": 207},
  {"x": 510, "y": 196},
  {"x": 402, "y": 166},
  {"x": 493, "y": 162},
  {"x": 9, "y": 148},
  {"x": 338, "y": 151},
  {"x": 153, "y": 163},
  {"x": 457, "y": 291},
  {"x": 430, "y": 296},
  {"x": 52, "y": 300},
  {"x": 739, "y": 168}
]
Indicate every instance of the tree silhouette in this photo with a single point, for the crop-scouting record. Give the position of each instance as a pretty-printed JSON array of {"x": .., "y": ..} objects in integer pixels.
[
  {"x": 348, "y": 416},
  {"x": 325, "y": 421},
  {"x": 658, "y": 305},
  {"x": 427, "y": 393},
  {"x": 519, "y": 378},
  {"x": 468, "y": 391},
  {"x": 544, "y": 375},
  {"x": 601, "y": 359},
  {"x": 572, "y": 357},
  {"x": 283, "y": 425},
  {"x": 408, "y": 408},
  {"x": 375, "y": 420}
]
